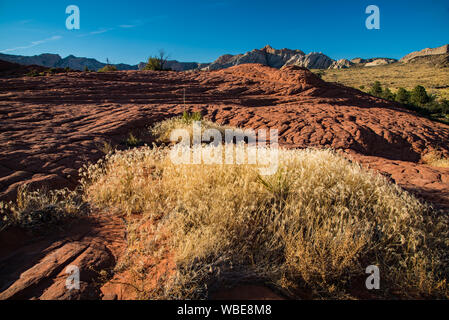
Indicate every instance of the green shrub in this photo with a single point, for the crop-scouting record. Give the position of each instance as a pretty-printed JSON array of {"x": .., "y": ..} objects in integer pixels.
[
  {"x": 108, "y": 68},
  {"x": 445, "y": 106},
  {"x": 133, "y": 141},
  {"x": 376, "y": 89},
  {"x": 154, "y": 64},
  {"x": 40, "y": 208},
  {"x": 33, "y": 73},
  {"x": 388, "y": 95},
  {"x": 419, "y": 96},
  {"x": 158, "y": 62},
  {"x": 402, "y": 96},
  {"x": 189, "y": 117}
]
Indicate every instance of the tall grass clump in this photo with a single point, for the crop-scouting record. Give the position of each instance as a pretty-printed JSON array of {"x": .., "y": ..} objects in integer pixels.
[
  {"x": 436, "y": 159},
  {"x": 39, "y": 208},
  {"x": 316, "y": 224},
  {"x": 161, "y": 131}
]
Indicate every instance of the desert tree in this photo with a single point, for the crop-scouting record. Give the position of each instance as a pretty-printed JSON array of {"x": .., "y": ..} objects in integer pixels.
[{"x": 157, "y": 62}]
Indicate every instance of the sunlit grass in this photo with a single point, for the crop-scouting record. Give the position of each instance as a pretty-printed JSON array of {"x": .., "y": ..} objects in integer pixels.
[{"x": 317, "y": 224}]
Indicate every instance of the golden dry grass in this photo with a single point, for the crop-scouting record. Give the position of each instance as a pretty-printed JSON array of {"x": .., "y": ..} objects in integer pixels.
[
  {"x": 161, "y": 131},
  {"x": 317, "y": 224},
  {"x": 39, "y": 208},
  {"x": 436, "y": 159},
  {"x": 394, "y": 76}
]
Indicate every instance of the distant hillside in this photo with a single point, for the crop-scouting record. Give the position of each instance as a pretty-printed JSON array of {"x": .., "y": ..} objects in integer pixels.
[
  {"x": 55, "y": 61},
  {"x": 271, "y": 57},
  {"x": 78, "y": 63},
  {"x": 178, "y": 66},
  {"x": 11, "y": 69},
  {"x": 426, "y": 52},
  {"x": 267, "y": 56},
  {"x": 431, "y": 71}
]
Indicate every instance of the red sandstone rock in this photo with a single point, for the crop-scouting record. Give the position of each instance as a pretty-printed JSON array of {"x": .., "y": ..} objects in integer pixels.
[{"x": 50, "y": 126}]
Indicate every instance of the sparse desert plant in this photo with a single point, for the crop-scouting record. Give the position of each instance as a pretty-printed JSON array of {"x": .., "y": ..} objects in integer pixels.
[
  {"x": 376, "y": 89},
  {"x": 436, "y": 159},
  {"x": 388, "y": 95},
  {"x": 190, "y": 117},
  {"x": 32, "y": 73},
  {"x": 445, "y": 106},
  {"x": 106, "y": 147},
  {"x": 316, "y": 224},
  {"x": 39, "y": 208},
  {"x": 133, "y": 141},
  {"x": 157, "y": 63},
  {"x": 161, "y": 131},
  {"x": 402, "y": 96},
  {"x": 419, "y": 96},
  {"x": 153, "y": 64},
  {"x": 108, "y": 68}
]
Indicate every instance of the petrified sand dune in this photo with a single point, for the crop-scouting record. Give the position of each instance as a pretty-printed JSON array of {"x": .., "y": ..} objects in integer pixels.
[
  {"x": 37, "y": 268},
  {"x": 50, "y": 126}
]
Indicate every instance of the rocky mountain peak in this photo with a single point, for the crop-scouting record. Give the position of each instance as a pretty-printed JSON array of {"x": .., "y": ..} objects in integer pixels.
[{"x": 426, "y": 52}]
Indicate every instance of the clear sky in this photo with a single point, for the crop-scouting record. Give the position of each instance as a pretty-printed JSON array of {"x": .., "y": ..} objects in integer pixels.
[{"x": 202, "y": 30}]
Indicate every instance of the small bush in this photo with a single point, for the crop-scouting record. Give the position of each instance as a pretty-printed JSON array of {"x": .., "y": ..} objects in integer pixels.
[
  {"x": 36, "y": 209},
  {"x": 133, "y": 141},
  {"x": 376, "y": 89},
  {"x": 108, "y": 68},
  {"x": 189, "y": 117},
  {"x": 388, "y": 95},
  {"x": 445, "y": 107},
  {"x": 153, "y": 64},
  {"x": 157, "y": 63},
  {"x": 402, "y": 96},
  {"x": 436, "y": 159},
  {"x": 419, "y": 96},
  {"x": 33, "y": 73},
  {"x": 106, "y": 147}
]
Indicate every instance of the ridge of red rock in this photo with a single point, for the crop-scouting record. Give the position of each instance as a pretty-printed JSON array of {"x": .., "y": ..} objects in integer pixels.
[{"x": 52, "y": 125}]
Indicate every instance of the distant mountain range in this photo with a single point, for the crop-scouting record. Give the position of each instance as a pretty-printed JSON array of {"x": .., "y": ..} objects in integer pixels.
[{"x": 266, "y": 56}]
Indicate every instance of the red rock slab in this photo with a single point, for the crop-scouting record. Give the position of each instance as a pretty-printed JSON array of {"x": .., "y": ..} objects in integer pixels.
[
  {"x": 36, "y": 267},
  {"x": 52, "y": 125}
]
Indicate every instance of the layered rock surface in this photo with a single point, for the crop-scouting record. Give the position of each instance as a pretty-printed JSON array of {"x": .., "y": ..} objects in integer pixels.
[
  {"x": 426, "y": 52},
  {"x": 53, "y": 125}
]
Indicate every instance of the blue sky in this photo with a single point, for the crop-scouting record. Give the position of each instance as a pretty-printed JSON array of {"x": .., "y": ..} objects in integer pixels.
[{"x": 202, "y": 30}]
